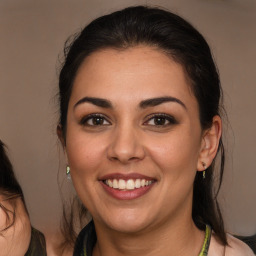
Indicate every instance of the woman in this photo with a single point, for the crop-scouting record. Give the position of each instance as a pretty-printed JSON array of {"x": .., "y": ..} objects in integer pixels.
[
  {"x": 140, "y": 124},
  {"x": 17, "y": 237}
]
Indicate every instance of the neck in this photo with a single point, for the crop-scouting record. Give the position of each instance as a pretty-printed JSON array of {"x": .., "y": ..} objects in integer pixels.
[{"x": 169, "y": 238}]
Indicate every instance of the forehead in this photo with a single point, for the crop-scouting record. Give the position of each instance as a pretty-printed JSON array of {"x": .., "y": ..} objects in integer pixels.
[{"x": 135, "y": 72}]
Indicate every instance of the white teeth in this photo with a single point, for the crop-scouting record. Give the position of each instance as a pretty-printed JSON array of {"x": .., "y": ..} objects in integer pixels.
[
  {"x": 128, "y": 184},
  {"x": 121, "y": 184},
  {"x": 115, "y": 183},
  {"x": 110, "y": 183},
  {"x": 137, "y": 183}
]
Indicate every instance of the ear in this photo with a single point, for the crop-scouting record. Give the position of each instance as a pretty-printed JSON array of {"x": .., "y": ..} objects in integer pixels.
[
  {"x": 209, "y": 144},
  {"x": 60, "y": 134}
]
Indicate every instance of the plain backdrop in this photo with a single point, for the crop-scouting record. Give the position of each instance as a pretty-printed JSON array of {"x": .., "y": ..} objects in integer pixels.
[{"x": 32, "y": 36}]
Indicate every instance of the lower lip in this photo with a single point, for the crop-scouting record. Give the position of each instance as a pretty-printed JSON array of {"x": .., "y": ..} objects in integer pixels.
[{"x": 127, "y": 194}]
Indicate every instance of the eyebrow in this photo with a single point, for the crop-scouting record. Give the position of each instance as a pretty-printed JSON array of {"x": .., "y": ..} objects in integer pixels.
[
  {"x": 103, "y": 103},
  {"x": 157, "y": 101},
  {"x": 95, "y": 101}
]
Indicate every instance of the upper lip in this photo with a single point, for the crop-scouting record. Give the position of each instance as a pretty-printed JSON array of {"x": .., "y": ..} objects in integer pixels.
[{"x": 126, "y": 176}]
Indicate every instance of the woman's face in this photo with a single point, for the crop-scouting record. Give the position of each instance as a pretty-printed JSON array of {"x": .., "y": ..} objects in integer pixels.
[
  {"x": 133, "y": 138},
  {"x": 15, "y": 239}
]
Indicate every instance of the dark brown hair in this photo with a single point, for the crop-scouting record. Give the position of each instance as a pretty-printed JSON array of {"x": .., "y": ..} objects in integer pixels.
[
  {"x": 9, "y": 187},
  {"x": 184, "y": 44}
]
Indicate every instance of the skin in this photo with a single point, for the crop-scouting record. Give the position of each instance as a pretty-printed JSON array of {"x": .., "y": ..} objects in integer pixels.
[
  {"x": 235, "y": 247},
  {"x": 18, "y": 234},
  {"x": 129, "y": 140},
  {"x": 53, "y": 241}
]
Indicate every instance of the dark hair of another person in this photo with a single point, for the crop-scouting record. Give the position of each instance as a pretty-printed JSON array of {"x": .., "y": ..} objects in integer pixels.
[
  {"x": 179, "y": 40},
  {"x": 9, "y": 187}
]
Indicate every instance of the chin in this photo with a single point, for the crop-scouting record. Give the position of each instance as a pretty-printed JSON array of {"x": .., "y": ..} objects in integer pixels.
[
  {"x": 128, "y": 223},
  {"x": 128, "y": 228}
]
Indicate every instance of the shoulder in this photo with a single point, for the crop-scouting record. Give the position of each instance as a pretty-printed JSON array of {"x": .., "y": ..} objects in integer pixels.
[
  {"x": 237, "y": 248},
  {"x": 37, "y": 243}
]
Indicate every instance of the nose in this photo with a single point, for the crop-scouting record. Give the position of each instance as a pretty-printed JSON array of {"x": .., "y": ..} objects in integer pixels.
[{"x": 125, "y": 145}]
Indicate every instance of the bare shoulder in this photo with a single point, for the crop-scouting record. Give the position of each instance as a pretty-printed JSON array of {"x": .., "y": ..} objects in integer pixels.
[{"x": 237, "y": 247}]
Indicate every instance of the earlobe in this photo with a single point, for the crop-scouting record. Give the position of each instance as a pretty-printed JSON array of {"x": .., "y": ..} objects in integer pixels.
[
  {"x": 61, "y": 135},
  {"x": 210, "y": 144}
]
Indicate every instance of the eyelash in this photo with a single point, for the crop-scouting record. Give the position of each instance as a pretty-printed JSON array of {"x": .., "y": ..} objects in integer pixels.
[
  {"x": 171, "y": 120},
  {"x": 92, "y": 117},
  {"x": 84, "y": 121}
]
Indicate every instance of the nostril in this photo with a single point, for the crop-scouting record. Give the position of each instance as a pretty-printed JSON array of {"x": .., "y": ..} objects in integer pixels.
[
  {"x": 134, "y": 158},
  {"x": 125, "y": 158},
  {"x": 113, "y": 158}
]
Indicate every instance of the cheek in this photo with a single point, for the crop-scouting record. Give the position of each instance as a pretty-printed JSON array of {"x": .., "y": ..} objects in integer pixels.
[
  {"x": 84, "y": 158},
  {"x": 84, "y": 152},
  {"x": 176, "y": 153}
]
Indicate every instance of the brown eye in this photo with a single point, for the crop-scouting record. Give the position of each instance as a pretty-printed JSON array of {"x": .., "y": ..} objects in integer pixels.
[
  {"x": 98, "y": 120},
  {"x": 94, "y": 120},
  {"x": 160, "y": 120}
]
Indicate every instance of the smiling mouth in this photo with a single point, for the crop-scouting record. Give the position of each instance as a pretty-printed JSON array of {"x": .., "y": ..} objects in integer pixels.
[{"x": 130, "y": 184}]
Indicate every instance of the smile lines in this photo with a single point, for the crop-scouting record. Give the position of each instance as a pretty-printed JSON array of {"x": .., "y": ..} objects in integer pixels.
[{"x": 129, "y": 184}]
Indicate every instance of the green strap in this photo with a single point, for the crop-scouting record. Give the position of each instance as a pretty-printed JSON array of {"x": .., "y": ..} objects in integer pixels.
[
  {"x": 206, "y": 244},
  {"x": 207, "y": 239}
]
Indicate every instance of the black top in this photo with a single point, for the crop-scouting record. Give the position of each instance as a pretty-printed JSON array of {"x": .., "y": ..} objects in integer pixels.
[
  {"x": 85, "y": 241},
  {"x": 37, "y": 246}
]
